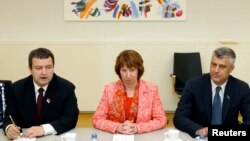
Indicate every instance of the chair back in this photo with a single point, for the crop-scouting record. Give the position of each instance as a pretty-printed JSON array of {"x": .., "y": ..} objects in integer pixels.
[{"x": 186, "y": 66}]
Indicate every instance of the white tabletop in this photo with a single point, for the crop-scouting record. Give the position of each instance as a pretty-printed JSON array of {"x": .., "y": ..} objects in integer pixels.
[{"x": 83, "y": 134}]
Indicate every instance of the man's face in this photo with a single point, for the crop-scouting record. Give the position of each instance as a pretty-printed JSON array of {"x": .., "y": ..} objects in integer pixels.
[
  {"x": 42, "y": 71},
  {"x": 220, "y": 69}
]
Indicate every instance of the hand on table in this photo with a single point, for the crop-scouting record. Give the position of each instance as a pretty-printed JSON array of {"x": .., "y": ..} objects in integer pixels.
[
  {"x": 203, "y": 131},
  {"x": 128, "y": 127},
  {"x": 13, "y": 132},
  {"x": 34, "y": 131}
]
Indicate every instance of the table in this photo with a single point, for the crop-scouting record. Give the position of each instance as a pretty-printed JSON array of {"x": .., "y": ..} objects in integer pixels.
[{"x": 83, "y": 134}]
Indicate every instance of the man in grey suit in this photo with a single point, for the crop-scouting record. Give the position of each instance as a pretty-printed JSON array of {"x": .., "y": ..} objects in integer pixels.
[
  {"x": 58, "y": 110},
  {"x": 194, "y": 112}
]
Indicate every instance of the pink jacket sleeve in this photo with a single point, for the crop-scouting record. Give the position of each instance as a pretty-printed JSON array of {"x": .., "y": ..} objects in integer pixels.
[
  {"x": 151, "y": 115},
  {"x": 99, "y": 119}
]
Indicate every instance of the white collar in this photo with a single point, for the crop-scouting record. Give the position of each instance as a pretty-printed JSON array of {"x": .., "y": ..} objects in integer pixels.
[
  {"x": 223, "y": 86},
  {"x": 37, "y": 87}
]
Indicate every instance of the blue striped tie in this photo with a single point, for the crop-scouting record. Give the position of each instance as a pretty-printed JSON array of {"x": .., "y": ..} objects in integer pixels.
[{"x": 216, "y": 112}]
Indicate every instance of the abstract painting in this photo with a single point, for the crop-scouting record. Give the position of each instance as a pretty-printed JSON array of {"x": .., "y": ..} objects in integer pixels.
[{"x": 124, "y": 10}]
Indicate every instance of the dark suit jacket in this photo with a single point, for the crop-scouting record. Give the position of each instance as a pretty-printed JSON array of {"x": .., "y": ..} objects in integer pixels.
[
  {"x": 59, "y": 107},
  {"x": 195, "y": 106}
]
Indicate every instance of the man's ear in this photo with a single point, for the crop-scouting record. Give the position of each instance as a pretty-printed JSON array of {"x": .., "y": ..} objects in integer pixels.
[
  {"x": 30, "y": 68},
  {"x": 232, "y": 68}
]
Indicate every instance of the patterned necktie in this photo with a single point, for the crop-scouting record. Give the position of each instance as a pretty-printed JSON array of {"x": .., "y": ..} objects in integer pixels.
[
  {"x": 39, "y": 102},
  {"x": 216, "y": 112}
]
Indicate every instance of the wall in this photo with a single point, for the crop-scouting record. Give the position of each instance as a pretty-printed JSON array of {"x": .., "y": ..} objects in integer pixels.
[
  {"x": 206, "y": 20},
  {"x": 91, "y": 65}
]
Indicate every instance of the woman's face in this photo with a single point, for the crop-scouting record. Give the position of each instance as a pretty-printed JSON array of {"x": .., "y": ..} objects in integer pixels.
[{"x": 129, "y": 75}]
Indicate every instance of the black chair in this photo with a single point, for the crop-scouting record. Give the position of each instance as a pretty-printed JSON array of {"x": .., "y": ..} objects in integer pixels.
[
  {"x": 5, "y": 89},
  {"x": 186, "y": 66}
]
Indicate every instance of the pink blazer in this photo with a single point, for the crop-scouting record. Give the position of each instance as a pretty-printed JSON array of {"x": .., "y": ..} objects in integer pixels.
[{"x": 150, "y": 117}]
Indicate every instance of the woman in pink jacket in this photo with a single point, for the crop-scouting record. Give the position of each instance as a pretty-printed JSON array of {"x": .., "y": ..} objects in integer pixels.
[{"x": 129, "y": 105}]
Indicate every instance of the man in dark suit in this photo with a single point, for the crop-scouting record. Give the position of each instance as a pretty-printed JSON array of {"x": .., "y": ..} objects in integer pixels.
[
  {"x": 194, "y": 112},
  {"x": 59, "y": 110}
]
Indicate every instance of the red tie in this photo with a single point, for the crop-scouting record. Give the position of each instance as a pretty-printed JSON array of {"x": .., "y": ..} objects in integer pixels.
[{"x": 39, "y": 102}]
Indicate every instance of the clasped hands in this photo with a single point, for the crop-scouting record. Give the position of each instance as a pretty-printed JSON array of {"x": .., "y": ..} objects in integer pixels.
[
  {"x": 13, "y": 132},
  {"x": 128, "y": 127}
]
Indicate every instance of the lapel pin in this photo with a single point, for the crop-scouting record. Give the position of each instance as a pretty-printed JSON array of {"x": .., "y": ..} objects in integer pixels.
[{"x": 48, "y": 100}]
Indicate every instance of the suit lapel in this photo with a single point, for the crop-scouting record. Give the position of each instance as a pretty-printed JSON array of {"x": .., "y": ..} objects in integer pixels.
[
  {"x": 208, "y": 97},
  {"x": 30, "y": 98},
  {"x": 142, "y": 96},
  {"x": 49, "y": 97},
  {"x": 227, "y": 98}
]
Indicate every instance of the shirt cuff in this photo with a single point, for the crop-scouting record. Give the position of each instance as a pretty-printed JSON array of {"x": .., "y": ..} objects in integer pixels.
[
  {"x": 197, "y": 133},
  {"x": 6, "y": 129},
  {"x": 48, "y": 129}
]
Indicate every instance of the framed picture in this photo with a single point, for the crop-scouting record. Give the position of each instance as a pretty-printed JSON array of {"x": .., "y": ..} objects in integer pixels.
[{"x": 124, "y": 10}]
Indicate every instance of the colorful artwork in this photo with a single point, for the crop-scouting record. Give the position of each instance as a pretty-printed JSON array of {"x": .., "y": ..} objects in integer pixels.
[{"x": 122, "y": 10}]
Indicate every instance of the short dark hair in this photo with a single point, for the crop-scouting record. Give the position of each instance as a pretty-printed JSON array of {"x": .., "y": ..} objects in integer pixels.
[
  {"x": 130, "y": 58},
  {"x": 225, "y": 51},
  {"x": 41, "y": 53}
]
